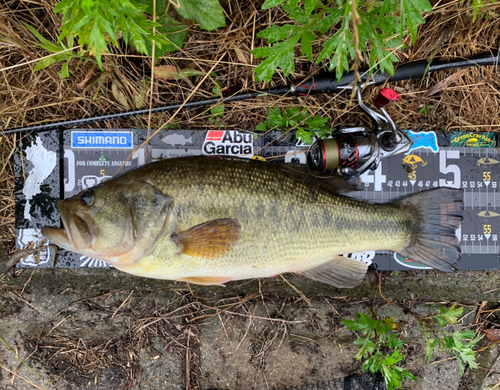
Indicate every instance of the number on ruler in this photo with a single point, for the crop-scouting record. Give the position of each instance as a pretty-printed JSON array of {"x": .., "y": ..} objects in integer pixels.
[
  {"x": 486, "y": 176},
  {"x": 452, "y": 168},
  {"x": 487, "y": 229},
  {"x": 376, "y": 177}
]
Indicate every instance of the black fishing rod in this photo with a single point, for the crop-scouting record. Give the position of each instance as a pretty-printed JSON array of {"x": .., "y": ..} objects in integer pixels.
[{"x": 323, "y": 83}]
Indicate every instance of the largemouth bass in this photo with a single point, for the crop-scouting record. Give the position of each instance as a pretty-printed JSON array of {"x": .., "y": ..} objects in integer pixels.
[{"x": 212, "y": 220}]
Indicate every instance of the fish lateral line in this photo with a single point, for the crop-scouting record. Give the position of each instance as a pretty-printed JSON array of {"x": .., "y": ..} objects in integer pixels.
[{"x": 336, "y": 205}]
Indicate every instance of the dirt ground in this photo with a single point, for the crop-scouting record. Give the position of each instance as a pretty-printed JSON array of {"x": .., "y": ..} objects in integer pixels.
[
  {"x": 102, "y": 329},
  {"x": 114, "y": 331},
  {"x": 105, "y": 330}
]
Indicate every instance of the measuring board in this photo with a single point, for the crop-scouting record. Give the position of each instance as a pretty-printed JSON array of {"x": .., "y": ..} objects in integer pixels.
[{"x": 58, "y": 165}]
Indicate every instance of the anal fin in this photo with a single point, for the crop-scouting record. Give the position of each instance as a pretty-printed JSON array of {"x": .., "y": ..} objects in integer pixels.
[
  {"x": 341, "y": 272},
  {"x": 206, "y": 280}
]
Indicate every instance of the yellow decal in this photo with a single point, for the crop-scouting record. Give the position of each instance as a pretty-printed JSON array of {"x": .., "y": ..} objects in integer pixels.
[
  {"x": 488, "y": 214},
  {"x": 413, "y": 160},
  {"x": 487, "y": 161},
  {"x": 487, "y": 229}
]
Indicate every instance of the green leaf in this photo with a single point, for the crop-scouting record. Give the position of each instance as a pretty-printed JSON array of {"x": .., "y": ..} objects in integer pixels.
[
  {"x": 341, "y": 45},
  {"x": 409, "y": 375},
  {"x": 447, "y": 316},
  {"x": 366, "y": 347},
  {"x": 46, "y": 62},
  {"x": 161, "y": 6},
  {"x": 392, "y": 377},
  {"x": 441, "y": 322},
  {"x": 296, "y": 13},
  {"x": 65, "y": 70},
  {"x": 422, "y": 5},
  {"x": 217, "y": 110},
  {"x": 430, "y": 344},
  {"x": 411, "y": 11},
  {"x": 45, "y": 43},
  {"x": 304, "y": 135},
  {"x": 275, "y": 118},
  {"x": 361, "y": 323},
  {"x": 174, "y": 34},
  {"x": 280, "y": 55},
  {"x": 477, "y": 5},
  {"x": 373, "y": 363},
  {"x": 216, "y": 90},
  {"x": 393, "y": 359},
  {"x": 466, "y": 334},
  {"x": 452, "y": 314},
  {"x": 276, "y": 33},
  {"x": 324, "y": 24},
  {"x": 261, "y": 127},
  {"x": 306, "y": 44},
  {"x": 394, "y": 342},
  {"x": 271, "y": 3},
  {"x": 208, "y": 13},
  {"x": 310, "y": 6}
]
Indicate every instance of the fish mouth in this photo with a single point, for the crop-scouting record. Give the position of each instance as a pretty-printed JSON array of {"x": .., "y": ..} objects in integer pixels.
[{"x": 78, "y": 232}]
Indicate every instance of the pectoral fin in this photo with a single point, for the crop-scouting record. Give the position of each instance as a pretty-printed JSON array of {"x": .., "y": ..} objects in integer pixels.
[
  {"x": 341, "y": 272},
  {"x": 207, "y": 280},
  {"x": 211, "y": 239}
]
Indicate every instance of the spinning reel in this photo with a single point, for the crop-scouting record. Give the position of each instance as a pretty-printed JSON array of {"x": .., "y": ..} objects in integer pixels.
[{"x": 354, "y": 150}]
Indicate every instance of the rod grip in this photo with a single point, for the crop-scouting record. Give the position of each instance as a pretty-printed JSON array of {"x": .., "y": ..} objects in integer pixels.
[
  {"x": 323, "y": 83},
  {"x": 327, "y": 83}
]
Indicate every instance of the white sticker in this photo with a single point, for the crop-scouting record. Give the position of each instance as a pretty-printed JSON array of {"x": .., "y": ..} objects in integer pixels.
[
  {"x": 228, "y": 143},
  {"x": 364, "y": 257},
  {"x": 44, "y": 162},
  {"x": 27, "y": 236}
]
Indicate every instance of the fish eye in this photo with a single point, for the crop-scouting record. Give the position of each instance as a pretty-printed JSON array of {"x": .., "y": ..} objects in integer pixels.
[{"x": 87, "y": 198}]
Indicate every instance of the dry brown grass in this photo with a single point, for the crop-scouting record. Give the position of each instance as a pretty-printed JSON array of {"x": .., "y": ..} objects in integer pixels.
[{"x": 27, "y": 98}]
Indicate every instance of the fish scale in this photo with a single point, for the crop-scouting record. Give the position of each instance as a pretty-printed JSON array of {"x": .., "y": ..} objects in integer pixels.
[
  {"x": 270, "y": 203},
  {"x": 212, "y": 220}
]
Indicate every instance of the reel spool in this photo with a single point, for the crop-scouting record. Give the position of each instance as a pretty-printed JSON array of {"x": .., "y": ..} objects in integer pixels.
[
  {"x": 354, "y": 150},
  {"x": 349, "y": 151}
]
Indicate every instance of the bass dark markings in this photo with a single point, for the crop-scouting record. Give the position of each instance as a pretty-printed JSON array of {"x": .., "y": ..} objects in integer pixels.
[{"x": 213, "y": 220}]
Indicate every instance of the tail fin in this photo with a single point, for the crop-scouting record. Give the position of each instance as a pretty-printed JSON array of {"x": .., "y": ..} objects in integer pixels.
[{"x": 435, "y": 216}]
